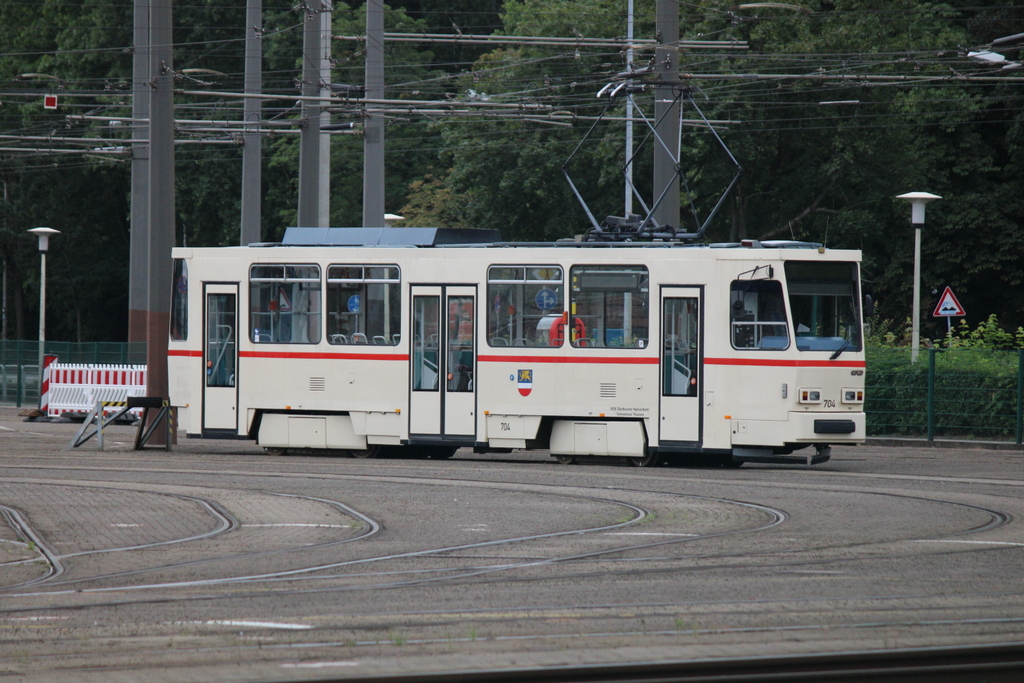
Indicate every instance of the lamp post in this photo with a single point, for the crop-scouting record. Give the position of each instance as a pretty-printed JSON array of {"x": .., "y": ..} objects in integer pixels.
[
  {"x": 44, "y": 243},
  {"x": 917, "y": 201}
]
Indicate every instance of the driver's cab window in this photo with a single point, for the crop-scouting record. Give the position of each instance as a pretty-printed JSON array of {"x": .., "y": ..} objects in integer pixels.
[{"x": 757, "y": 314}]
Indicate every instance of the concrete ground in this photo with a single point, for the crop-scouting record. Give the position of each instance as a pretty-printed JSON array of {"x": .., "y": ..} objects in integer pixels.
[{"x": 216, "y": 561}]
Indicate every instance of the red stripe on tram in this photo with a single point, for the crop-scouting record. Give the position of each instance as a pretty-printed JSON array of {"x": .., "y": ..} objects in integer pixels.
[
  {"x": 580, "y": 360},
  {"x": 783, "y": 363}
]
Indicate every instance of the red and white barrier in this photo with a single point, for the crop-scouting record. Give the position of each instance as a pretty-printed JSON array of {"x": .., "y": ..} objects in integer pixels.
[
  {"x": 44, "y": 391},
  {"x": 76, "y": 387}
]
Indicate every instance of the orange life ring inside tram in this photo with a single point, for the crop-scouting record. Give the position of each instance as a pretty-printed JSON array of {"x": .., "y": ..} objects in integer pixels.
[{"x": 556, "y": 333}]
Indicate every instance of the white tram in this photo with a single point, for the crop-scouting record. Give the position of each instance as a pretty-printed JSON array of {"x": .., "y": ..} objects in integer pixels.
[{"x": 721, "y": 353}]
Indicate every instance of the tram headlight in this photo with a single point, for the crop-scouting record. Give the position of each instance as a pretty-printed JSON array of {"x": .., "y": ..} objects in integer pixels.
[
  {"x": 808, "y": 395},
  {"x": 853, "y": 395}
]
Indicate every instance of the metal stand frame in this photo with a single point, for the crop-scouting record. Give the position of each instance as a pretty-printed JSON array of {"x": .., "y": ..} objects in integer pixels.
[{"x": 164, "y": 414}]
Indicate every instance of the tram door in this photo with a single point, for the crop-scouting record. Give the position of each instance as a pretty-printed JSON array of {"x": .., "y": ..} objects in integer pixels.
[
  {"x": 220, "y": 358},
  {"x": 681, "y": 363},
  {"x": 443, "y": 357}
]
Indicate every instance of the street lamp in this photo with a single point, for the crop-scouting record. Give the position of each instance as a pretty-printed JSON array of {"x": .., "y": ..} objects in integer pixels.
[
  {"x": 917, "y": 201},
  {"x": 44, "y": 243}
]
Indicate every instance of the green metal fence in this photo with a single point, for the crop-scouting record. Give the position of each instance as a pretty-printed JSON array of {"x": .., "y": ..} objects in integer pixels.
[
  {"x": 953, "y": 394},
  {"x": 19, "y": 363}
]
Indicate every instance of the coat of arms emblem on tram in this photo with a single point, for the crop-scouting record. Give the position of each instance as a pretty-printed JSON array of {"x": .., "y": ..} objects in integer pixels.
[{"x": 525, "y": 382}]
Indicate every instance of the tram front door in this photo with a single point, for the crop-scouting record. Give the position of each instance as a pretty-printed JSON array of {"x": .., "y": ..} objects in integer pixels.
[
  {"x": 220, "y": 358},
  {"x": 681, "y": 366},
  {"x": 442, "y": 404}
]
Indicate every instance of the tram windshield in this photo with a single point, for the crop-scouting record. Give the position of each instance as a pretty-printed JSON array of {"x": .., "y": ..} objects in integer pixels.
[{"x": 823, "y": 301}]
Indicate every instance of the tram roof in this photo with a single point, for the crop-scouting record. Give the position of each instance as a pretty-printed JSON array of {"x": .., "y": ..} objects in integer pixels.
[
  {"x": 454, "y": 237},
  {"x": 388, "y": 237}
]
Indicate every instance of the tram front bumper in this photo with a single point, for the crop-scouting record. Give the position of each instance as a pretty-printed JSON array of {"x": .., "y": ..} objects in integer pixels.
[{"x": 801, "y": 428}]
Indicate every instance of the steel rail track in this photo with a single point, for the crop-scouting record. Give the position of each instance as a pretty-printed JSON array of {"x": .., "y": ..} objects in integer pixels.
[
  {"x": 24, "y": 530},
  {"x": 998, "y": 663},
  {"x": 640, "y": 514},
  {"x": 954, "y": 664},
  {"x": 997, "y": 518},
  {"x": 372, "y": 527},
  {"x": 643, "y": 671},
  {"x": 775, "y": 517}
]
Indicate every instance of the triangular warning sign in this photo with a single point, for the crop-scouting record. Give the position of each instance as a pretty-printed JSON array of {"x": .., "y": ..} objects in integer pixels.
[
  {"x": 949, "y": 306},
  {"x": 284, "y": 302}
]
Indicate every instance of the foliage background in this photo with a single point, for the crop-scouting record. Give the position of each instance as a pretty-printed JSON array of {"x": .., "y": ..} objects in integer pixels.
[{"x": 812, "y": 171}]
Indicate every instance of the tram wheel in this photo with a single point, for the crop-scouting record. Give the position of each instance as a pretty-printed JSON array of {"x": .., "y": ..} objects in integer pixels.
[
  {"x": 371, "y": 451},
  {"x": 649, "y": 460},
  {"x": 276, "y": 451},
  {"x": 566, "y": 459}
]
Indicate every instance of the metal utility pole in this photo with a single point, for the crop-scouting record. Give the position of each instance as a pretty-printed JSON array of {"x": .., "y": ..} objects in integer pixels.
[
  {"x": 309, "y": 141},
  {"x": 666, "y": 111},
  {"x": 325, "y": 117},
  {"x": 161, "y": 195},
  {"x": 138, "y": 284},
  {"x": 3, "y": 331},
  {"x": 252, "y": 161},
  {"x": 373, "y": 127},
  {"x": 629, "y": 113}
]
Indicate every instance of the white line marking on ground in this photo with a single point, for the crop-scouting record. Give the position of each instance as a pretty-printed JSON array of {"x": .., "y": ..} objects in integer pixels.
[
  {"x": 256, "y": 624},
  {"x": 8, "y": 429},
  {"x": 645, "y": 533},
  {"x": 315, "y": 525},
  {"x": 317, "y": 665},
  {"x": 929, "y": 540}
]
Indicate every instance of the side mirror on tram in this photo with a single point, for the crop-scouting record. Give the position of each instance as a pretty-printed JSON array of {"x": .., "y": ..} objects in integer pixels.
[{"x": 869, "y": 306}]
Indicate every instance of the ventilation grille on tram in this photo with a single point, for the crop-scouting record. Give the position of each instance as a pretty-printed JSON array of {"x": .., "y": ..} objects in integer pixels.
[
  {"x": 607, "y": 390},
  {"x": 317, "y": 384}
]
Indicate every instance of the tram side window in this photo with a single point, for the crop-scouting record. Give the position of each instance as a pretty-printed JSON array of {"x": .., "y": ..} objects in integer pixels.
[
  {"x": 758, "y": 315},
  {"x": 364, "y": 305},
  {"x": 523, "y": 304},
  {"x": 284, "y": 304},
  {"x": 608, "y": 307},
  {"x": 179, "y": 301}
]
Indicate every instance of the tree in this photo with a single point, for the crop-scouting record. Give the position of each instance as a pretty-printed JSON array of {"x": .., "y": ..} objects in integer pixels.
[
  {"x": 828, "y": 173},
  {"x": 822, "y": 157},
  {"x": 507, "y": 171}
]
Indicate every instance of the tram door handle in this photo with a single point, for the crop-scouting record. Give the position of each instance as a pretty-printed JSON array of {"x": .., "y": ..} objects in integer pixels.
[{"x": 709, "y": 399}]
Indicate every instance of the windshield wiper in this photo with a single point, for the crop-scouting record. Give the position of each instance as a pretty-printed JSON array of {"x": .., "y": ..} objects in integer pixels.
[{"x": 842, "y": 348}]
